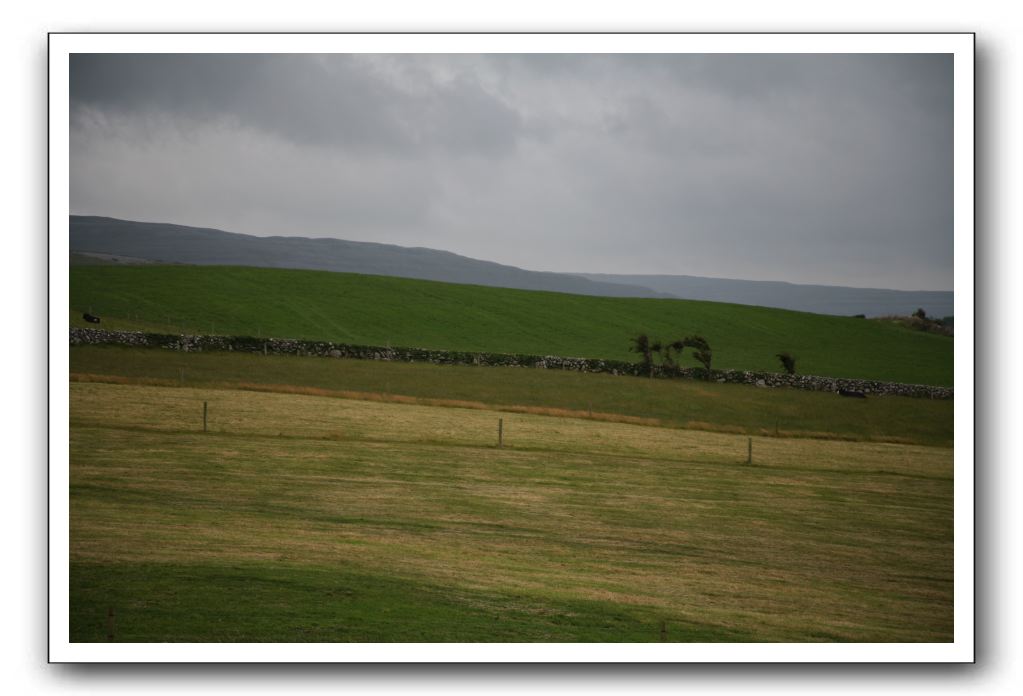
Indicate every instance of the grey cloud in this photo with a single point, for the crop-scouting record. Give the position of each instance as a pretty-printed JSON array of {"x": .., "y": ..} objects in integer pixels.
[
  {"x": 826, "y": 169},
  {"x": 240, "y": 180},
  {"x": 332, "y": 100}
]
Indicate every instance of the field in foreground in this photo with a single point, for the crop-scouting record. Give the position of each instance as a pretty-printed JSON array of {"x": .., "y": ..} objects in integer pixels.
[
  {"x": 377, "y": 310},
  {"x": 302, "y": 518}
]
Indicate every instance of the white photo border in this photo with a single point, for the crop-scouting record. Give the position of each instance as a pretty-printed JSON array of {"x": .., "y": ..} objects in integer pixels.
[{"x": 961, "y": 45}]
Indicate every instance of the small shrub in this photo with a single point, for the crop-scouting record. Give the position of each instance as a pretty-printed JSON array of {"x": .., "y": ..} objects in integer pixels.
[{"x": 788, "y": 362}]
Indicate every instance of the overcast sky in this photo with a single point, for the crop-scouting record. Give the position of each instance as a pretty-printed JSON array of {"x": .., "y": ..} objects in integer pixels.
[{"x": 833, "y": 169}]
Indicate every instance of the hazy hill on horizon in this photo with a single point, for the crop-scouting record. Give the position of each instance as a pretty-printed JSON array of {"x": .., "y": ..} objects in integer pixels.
[
  {"x": 819, "y": 299},
  {"x": 205, "y": 247},
  {"x": 111, "y": 238}
]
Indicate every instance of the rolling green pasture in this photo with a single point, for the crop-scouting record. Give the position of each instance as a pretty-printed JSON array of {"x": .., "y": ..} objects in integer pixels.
[
  {"x": 304, "y": 518},
  {"x": 377, "y": 310},
  {"x": 672, "y": 403}
]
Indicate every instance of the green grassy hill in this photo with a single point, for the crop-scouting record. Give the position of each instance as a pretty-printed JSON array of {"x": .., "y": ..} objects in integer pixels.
[{"x": 382, "y": 310}]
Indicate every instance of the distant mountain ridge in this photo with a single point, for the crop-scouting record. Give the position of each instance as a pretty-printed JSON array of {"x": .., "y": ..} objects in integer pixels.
[
  {"x": 819, "y": 299},
  {"x": 170, "y": 243},
  {"x": 203, "y": 246}
]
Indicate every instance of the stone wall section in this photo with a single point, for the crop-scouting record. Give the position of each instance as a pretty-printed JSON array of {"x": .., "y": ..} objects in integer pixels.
[{"x": 326, "y": 349}]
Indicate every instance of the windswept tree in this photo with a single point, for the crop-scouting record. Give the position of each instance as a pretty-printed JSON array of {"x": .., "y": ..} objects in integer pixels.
[
  {"x": 645, "y": 347},
  {"x": 670, "y": 352},
  {"x": 788, "y": 362},
  {"x": 655, "y": 347},
  {"x": 668, "y": 360},
  {"x": 701, "y": 348}
]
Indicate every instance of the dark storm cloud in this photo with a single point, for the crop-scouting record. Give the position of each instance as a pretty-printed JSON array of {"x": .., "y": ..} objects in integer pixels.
[
  {"x": 333, "y": 100},
  {"x": 810, "y": 168}
]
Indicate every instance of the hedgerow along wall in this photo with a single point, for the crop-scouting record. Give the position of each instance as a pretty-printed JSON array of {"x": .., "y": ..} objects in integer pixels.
[{"x": 326, "y": 349}]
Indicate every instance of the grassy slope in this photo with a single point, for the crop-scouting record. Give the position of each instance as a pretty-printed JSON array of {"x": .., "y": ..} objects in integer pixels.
[
  {"x": 398, "y": 311},
  {"x": 676, "y": 403},
  {"x": 302, "y": 518}
]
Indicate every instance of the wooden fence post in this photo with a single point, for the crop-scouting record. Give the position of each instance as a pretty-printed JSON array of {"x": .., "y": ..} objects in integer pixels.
[
  {"x": 749, "y": 453},
  {"x": 500, "y": 432},
  {"x": 110, "y": 624},
  {"x": 204, "y": 416}
]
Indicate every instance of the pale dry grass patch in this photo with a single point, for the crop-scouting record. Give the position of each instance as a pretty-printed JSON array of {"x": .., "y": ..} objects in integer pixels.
[
  {"x": 692, "y": 389},
  {"x": 378, "y": 397}
]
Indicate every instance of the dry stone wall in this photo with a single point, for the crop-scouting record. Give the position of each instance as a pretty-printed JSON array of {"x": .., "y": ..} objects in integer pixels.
[{"x": 326, "y": 349}]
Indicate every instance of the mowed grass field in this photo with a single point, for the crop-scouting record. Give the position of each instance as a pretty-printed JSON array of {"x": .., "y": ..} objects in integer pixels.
[
  {"x": 670, "y": 403},
  {"x": 309, "y": 518},
  {"x": 377, "y": 310}
]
